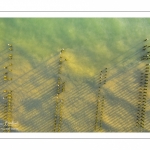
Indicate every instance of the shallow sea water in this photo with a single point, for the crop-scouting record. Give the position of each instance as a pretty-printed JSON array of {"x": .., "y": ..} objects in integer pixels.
[{"x": 90, "y": 46}]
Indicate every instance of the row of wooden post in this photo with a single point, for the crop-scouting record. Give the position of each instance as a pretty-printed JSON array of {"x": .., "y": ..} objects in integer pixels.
[
  {"x": 8, "y": 93},
  {"x": 143, "y": 90},
  {"x": 59, "y": 100},
  {"x": 100, "y": 101}
]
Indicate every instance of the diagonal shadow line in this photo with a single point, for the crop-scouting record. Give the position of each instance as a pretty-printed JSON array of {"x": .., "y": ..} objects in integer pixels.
[
  {"x": 120, "y": 91},
  {"x": 135, "y": 76},
  {"x": 38, "y": 118},
  {"x": 81, "y": 108},
  {"x": 31, "y": 101},
  {"x": 118, "y": 73},
  {"x": 133, "y": 64},
  {"x": 42, "y": 91},
  {"x": 29, "y": 89},
  {"x": 35, "y": 80},
  {"x": 38, "y": 69},
  {"x": 138, "y": 44},
  {"x": 126, "y": 80},
  {"x": 28, "y": 86},
  {"x": 27, "y": 55},
  {"x": 40, "y": 96},
  {"x": 108, "y": 127},
  {"x": 127, "y": 53},
  {"x": 34, "y": 89},
  {"x": 125, "y": 103},
  {"x": 124, "y": 60},
  {"x": 25, "y": 74},
  {"x": 38, "y": 76}
]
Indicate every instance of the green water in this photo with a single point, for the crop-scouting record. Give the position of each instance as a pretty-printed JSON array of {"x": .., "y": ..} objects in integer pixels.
[
  {"x": 91, "y": 44},
  {"x": 100, "y": 39}
]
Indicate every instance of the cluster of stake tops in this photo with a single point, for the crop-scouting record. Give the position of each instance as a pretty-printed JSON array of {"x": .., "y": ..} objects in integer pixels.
[
  {"x": 144, "y": 47},
  {"x": 6, "y": 67}
]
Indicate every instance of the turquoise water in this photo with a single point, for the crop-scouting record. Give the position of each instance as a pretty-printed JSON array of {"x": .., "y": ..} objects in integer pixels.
[{"x": 91, "y": 45}]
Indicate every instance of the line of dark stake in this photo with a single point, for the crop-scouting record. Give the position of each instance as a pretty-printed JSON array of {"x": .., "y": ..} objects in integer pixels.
[
  {"x": 59, "y": 101},
  {"x": 140, "y": 120},
  {"x": 8, "y": 96},
  {"x": 145, "y": 48},
  {"x": 100, "y": 101}
]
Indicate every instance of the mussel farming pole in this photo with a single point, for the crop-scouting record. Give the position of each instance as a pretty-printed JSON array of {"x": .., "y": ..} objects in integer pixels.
[
  {"x": 8, "y": 96},
  {"x": 143, "y": 90},
  {"x": 100, "y": 101},
  {"x": 59, "y": 99}
]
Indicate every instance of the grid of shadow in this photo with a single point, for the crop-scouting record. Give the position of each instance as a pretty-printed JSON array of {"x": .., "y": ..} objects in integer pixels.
[{"x": 36, "y": 92}]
